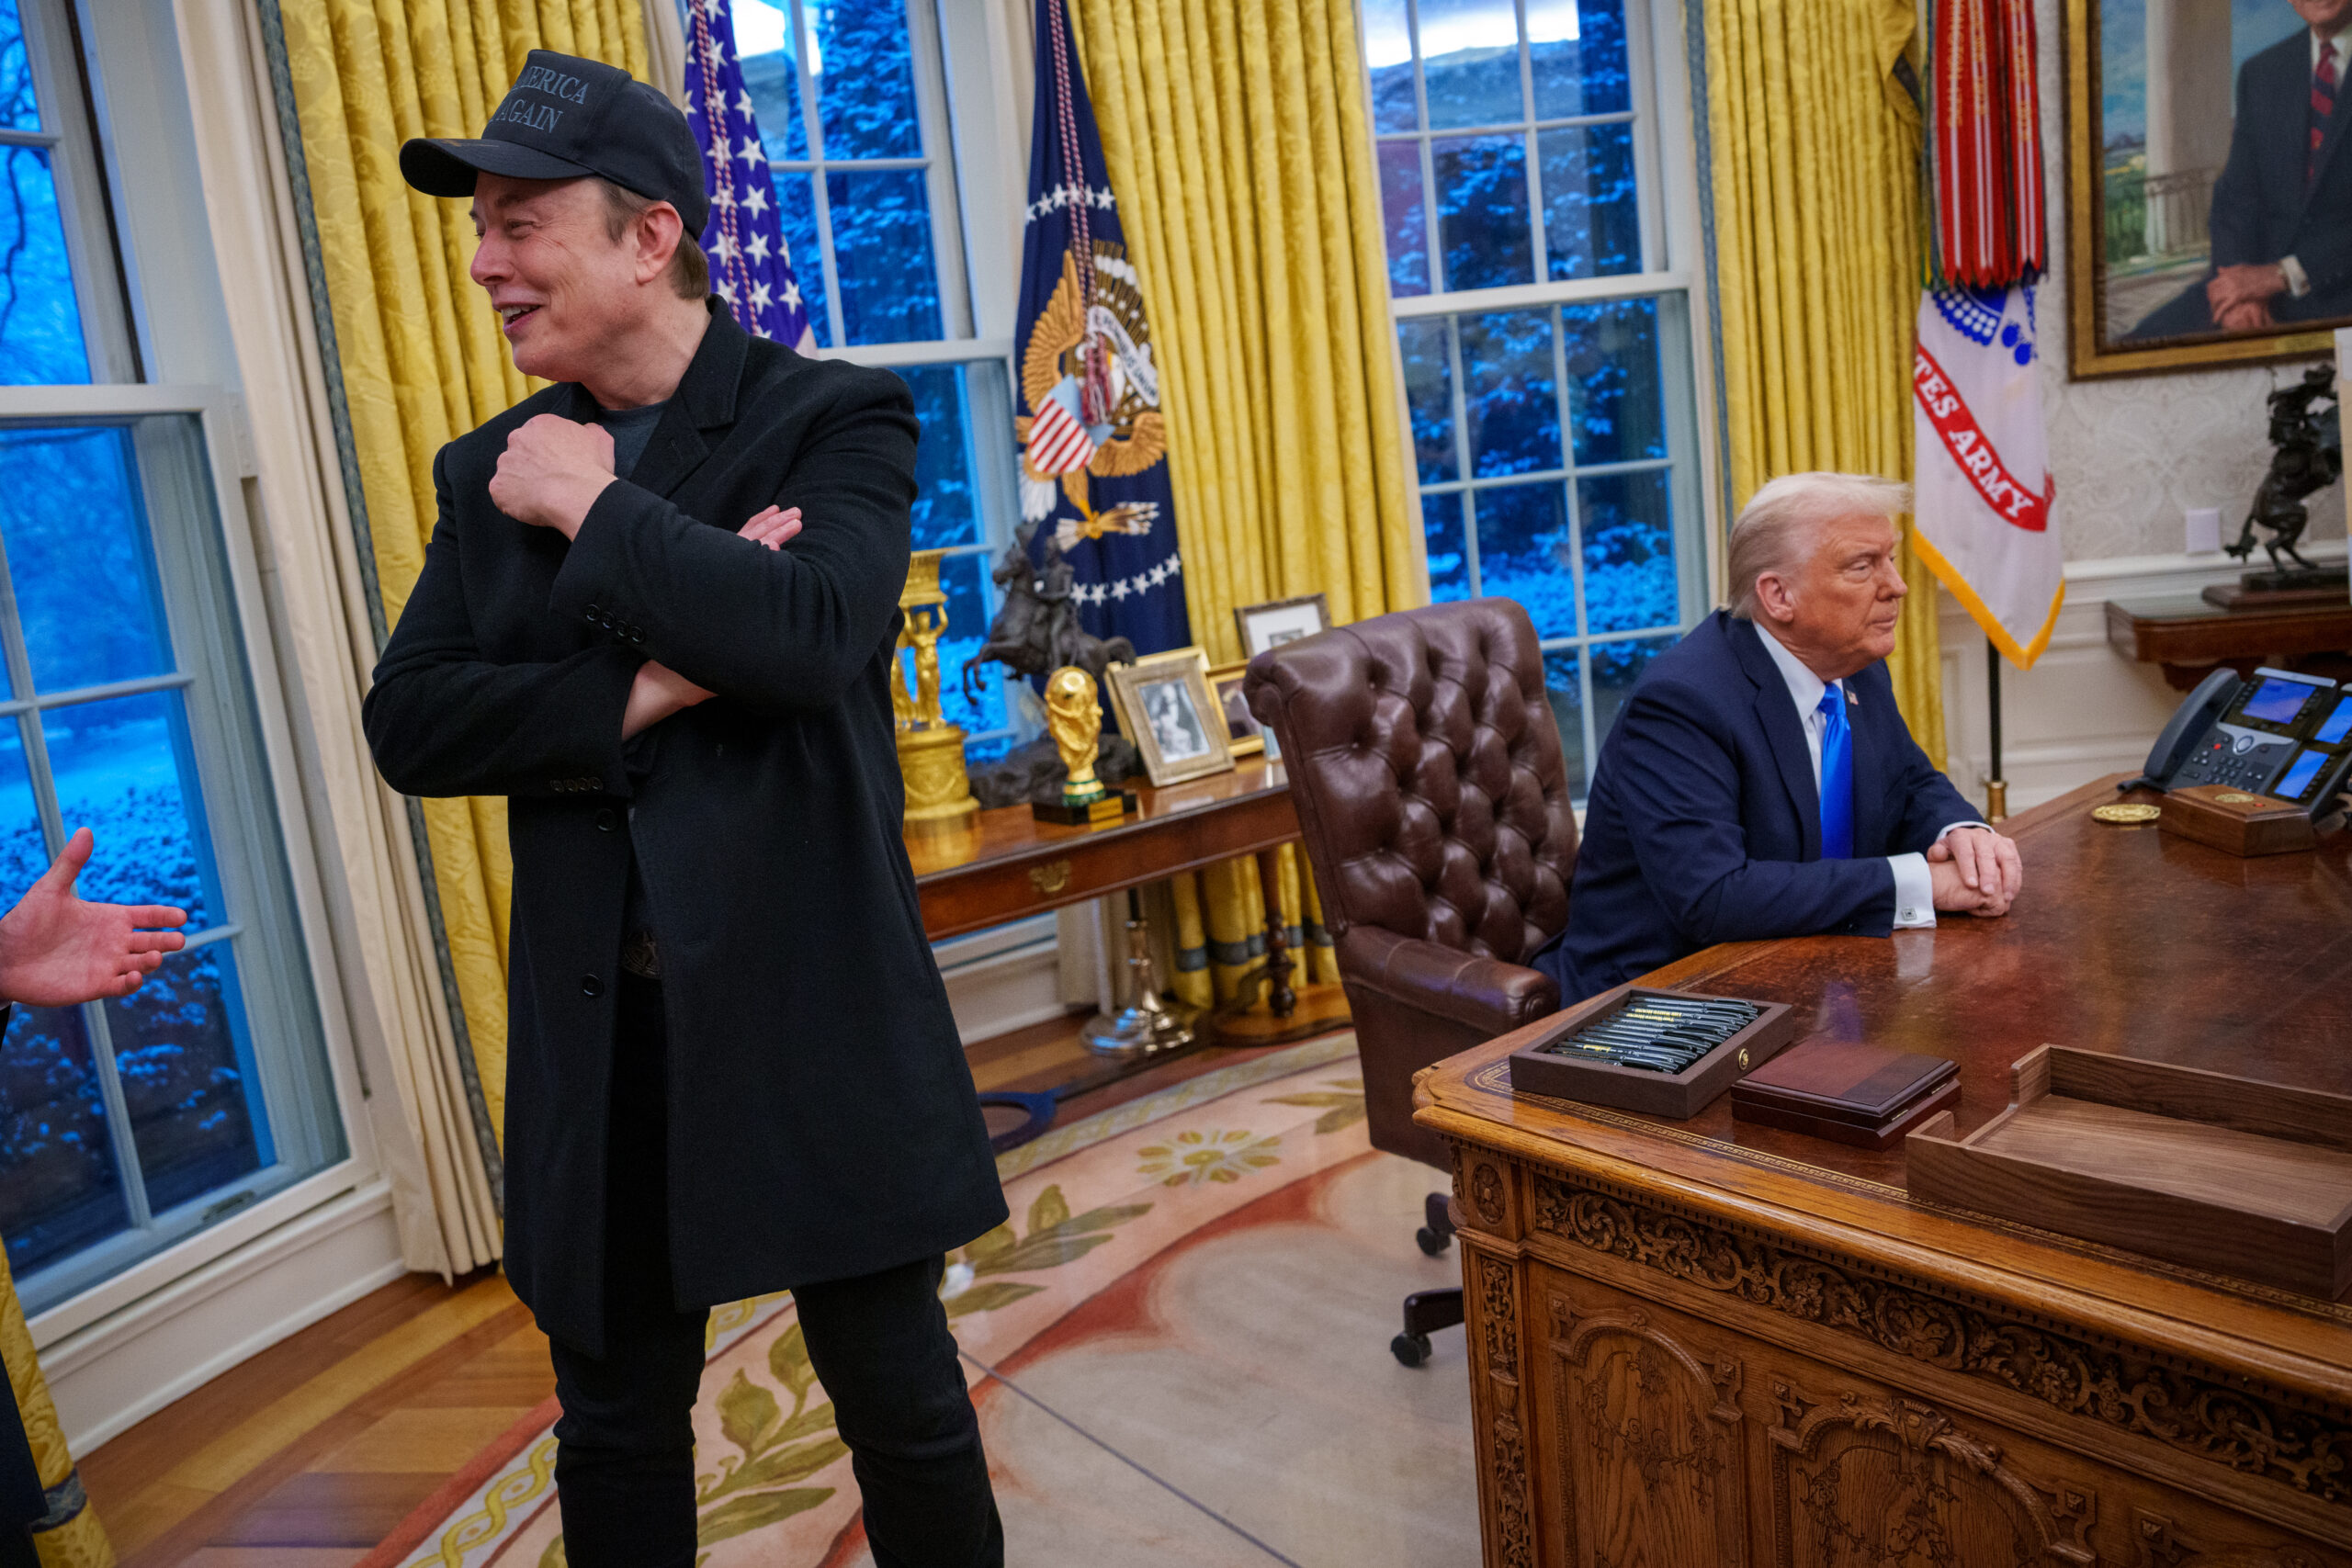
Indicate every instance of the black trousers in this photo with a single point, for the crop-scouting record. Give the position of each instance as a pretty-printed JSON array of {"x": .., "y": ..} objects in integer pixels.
[{"x": 625, "y": 1460}]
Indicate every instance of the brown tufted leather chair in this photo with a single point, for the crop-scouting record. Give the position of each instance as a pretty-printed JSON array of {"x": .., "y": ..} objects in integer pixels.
[{"x": 1426, "y": 767}]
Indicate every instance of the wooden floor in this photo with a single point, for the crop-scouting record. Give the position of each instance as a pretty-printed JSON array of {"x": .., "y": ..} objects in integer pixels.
[{"x": 309, "y": 1453}]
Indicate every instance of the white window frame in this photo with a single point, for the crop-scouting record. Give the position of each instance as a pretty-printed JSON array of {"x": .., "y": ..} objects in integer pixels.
[
  {"x": 243, "y": 826},
  {"x": 66, "y": 134},
  {"x": 1666, "y": 190}
]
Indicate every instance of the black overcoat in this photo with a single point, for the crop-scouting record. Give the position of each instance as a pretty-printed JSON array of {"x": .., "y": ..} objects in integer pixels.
[{"x": 822, "y": 1122}]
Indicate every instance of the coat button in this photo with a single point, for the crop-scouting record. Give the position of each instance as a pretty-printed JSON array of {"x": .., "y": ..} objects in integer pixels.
[
  {"x": 591, "y": 986},
  {"x": 606, "y": 820}
]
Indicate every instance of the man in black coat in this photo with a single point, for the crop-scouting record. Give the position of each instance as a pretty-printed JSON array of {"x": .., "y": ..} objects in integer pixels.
[
  {"x": 731, "y": 1068},
  {"x": 2281, "y": 220}
]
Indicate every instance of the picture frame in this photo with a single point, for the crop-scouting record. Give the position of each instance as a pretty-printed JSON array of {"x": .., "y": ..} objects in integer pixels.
[
  {"x": 1244, "y": 736},
  {"x": 2156, "y": 158},
  {"x": 1166, "y": 706},
  {"x": 1278, "y": 621}
]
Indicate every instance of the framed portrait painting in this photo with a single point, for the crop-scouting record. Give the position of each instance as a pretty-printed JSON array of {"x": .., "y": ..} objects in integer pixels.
[
  {"x": 1244, "y": 736},
  {"x": 2209, "y": 201},
  {"x": 1166, "y": 707},
  {"x": 1279, "y": 621}
]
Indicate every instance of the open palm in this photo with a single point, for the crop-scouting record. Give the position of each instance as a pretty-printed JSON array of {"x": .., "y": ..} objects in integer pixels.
[{"x": 57, "y": 950}]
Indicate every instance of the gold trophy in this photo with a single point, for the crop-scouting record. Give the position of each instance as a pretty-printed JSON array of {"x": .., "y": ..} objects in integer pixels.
[
  {"x": 931, "y": 749},
  {"x": 1074, "y": 719}
]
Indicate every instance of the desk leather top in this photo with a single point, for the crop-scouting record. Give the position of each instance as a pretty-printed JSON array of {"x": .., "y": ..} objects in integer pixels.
[{"x": 2126, "y": 939}]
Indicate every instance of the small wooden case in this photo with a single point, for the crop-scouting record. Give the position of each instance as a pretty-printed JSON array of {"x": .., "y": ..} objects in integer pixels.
[
  {"x": 1681, "y": 1095},
  {"x": 1846, "y": 1092},
  {"x": 2206, "y": 1170},
  {"x": 2237, "y": 820}
]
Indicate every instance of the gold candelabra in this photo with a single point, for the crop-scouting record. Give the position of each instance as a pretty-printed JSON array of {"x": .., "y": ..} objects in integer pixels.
[{"x": 931, "y": 749}]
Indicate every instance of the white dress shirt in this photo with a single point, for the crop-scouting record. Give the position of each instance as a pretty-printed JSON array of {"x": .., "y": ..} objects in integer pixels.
[
  {"x": 2299, "y": 282},
  {"x": 1915, "y": 886}
]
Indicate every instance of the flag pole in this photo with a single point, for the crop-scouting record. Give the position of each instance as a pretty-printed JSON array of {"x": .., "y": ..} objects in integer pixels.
[{"x": 1996, "y": 788}]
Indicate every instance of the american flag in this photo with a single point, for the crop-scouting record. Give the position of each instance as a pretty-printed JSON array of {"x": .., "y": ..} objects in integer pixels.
[{"x": 750, "y": 267}]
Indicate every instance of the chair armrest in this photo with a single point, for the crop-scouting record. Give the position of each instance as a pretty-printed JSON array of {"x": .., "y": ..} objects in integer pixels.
[{"x": 1484, "y": 994}]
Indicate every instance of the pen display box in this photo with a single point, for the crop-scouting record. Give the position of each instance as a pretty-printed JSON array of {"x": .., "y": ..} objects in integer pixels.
[{"x": 1553, "y": 1064}]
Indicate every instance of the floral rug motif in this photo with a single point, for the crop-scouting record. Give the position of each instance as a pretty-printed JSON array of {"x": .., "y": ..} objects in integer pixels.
[{"x": 1093, "y": 1203}]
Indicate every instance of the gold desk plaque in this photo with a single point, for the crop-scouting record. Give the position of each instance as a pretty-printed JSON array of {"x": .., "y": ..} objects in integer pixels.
[
  {"x": 931, "y": 749},
  {"x": 2127, "y": 813},
  {"x": 1074, "y": 719}
]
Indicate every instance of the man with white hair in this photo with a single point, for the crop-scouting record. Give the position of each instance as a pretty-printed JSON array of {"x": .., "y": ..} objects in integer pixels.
[{"x": 1760, "y": 782}]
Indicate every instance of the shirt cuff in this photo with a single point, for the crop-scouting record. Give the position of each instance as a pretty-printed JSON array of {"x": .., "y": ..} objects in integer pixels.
[
  {"x": 1914, "y": 890},
  {"x": 1956, "y": 826},
  {"x": 2299, "y": 282}
]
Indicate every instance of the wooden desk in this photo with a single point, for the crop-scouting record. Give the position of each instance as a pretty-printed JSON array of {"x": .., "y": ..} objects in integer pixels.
[
  {"x": 1706, "y": 1342},
  {"x": 2188, "y": 637}
]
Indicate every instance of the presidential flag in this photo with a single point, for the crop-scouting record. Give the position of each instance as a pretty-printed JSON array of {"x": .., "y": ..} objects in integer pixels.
[
  {"x": 1980, "y": 519},
  {"x": 1093, "y": 448},
  {"x": 750, "y": 267}
]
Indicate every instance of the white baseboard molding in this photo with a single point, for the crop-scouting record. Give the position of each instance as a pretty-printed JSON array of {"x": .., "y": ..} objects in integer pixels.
[{"x": 125, "y": 1366}]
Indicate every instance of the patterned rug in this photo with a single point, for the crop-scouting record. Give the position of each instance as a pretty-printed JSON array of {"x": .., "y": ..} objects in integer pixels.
[{"x": 1105, "y": 1211}]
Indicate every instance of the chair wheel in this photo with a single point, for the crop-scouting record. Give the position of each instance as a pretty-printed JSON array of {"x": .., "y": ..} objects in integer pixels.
[{"x": 1410, "y": 1350}]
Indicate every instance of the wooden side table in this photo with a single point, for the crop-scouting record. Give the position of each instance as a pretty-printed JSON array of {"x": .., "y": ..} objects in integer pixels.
[{"x": 2188, "y": 637}]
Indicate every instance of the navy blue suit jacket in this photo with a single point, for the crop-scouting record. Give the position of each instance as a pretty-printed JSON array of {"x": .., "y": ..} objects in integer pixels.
[
  {"x": 1705, "y": 824},
  {"x": 2262, "y": 210}
]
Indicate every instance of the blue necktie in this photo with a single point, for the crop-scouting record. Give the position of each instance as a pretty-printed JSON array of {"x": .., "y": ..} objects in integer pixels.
[{"x": 1837, "y": 778}]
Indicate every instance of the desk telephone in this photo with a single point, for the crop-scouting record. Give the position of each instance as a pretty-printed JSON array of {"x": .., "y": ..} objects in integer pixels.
[{"x": 2280, "y": 734}]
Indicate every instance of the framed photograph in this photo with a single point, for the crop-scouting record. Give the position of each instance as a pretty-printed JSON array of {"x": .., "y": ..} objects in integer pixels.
[
  {"x": 2203, "y": 227},
  {"x": 1167, "y": 708},
  {"x": 1279, "y": 621},
  {"x": 1244, "y": 736}
]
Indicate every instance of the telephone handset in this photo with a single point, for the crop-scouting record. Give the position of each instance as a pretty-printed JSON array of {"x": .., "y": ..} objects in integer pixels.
[{"x": 2281, "y": 734}]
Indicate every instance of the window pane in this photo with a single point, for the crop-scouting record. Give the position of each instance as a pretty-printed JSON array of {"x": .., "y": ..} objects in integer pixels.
[
  {"x": 1470, "y": 61},
  {"x": 24, "y": 855},
  {"x": 1405, "y": 216},
  {"x": 186, "y": 1077},
  {"x": 1561, "y": 686},
  {"x": 865, "y": 67},
  {"x": 1615, "y": 404},
  {"x": 1577, "y": 52},
  {"x": 965, "y": 578},
  {"x": 1523, "y": 553},
  {"x": 1429, "y": 392},
  {"x": 1615, "y": 667},
  {"x": 764, "y": 46},
  {"x": 796, "y": 211},
  {"x": 1482, "y": 210},
  {"x": 1592, "y": 220},
  {"x": 882, "y": 254},
  {"x": 40, "y": 323},
  {"x": 87, "y": 590},
  {"x": 123, "y": 770},
  {"x": 1629, "y": 576},
  {"x": 946, "y": 511},
  {"x": 1389, "y": 55},
  {"x": 1510, "y": 393},
  {"x": 18, "y": 109},
  {"x": 59, "y": 1189},
  {"x": 1449, "y": 557}
]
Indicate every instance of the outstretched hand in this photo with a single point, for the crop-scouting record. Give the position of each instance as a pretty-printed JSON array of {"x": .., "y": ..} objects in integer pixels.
[{"x": 57, "y": 950}]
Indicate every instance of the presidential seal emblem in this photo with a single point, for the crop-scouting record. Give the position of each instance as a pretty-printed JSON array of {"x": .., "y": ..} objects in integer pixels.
[{"x": 1087, "y": 352}]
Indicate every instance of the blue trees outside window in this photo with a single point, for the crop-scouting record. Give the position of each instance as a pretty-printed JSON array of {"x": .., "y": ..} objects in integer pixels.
[
  {"x": 41, "y": 323},
  {"x": 853, "y": 113},
  {"x": 1551, "y": 427}
]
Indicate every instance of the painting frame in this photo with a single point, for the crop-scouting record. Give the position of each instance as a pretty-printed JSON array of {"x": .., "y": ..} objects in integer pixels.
[
  {"x": 1180, "y": 670},
  {"x": 2093, "y": 354},
  {"x": 1262, "y": 626},
  {"x": 1244, "y": 736}
]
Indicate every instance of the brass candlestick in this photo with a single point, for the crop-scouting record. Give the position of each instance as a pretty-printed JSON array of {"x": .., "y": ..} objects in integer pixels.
[
  {"x": 1147, "y": 1026},
  {"x": 931, "y": 749}
]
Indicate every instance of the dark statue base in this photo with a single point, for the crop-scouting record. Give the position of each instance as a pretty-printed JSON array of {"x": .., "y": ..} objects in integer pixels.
[
  {"x": 1033, "y": 774},
  {"x": 2277, "y": 589},
  {"x": 1110, "y": 809}
]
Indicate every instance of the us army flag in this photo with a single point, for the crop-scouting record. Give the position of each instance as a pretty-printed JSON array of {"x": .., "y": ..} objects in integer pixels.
[{"x": 1982, "y": 520}]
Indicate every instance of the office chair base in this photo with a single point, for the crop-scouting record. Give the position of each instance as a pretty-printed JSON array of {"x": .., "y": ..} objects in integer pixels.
[
  {"x": 1437, "y": 1235},
  {"x": 1425, "y": 1310}
]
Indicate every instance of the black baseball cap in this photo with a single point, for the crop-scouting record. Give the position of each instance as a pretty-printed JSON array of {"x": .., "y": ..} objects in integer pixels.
[{"x": 566, "y": 117}]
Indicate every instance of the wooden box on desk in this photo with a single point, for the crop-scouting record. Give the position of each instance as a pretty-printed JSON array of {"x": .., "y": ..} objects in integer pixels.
[
  {"x": 2237, "y": 822},
  {"x": 1535, "y": 1070},
  {"x": 2207, "y": 1170}
]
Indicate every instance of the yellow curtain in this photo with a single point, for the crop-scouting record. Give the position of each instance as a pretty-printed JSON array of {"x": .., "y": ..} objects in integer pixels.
[
  {"x": 420, "y": 356},
  {"x": 79, "y": 1541},
  {"x": 1237, "y": 143},
  {"x": 1819, "y": 241}
]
